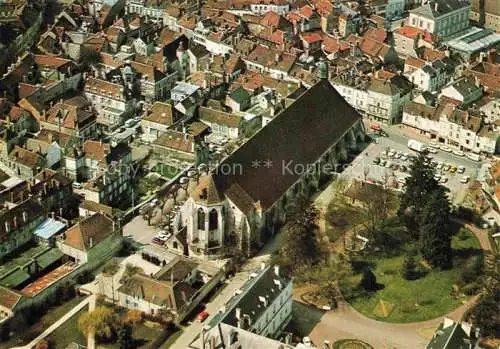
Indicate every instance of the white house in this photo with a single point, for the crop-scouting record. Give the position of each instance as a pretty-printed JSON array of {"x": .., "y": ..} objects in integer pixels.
[
  {"x": 442, "y": 18},
  {"x": 379, "y": 100},
  {"x": 263, "y": 305},
  {"x": 451, "y": 126}
]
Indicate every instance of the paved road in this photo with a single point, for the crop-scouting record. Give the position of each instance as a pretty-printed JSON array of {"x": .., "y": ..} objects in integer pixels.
[
  {"x": 139, "y": 230},
  {"x": 58, "y": 323},
  {"x": 194, "y": 329},
  {"x": 363, "y": 167}
]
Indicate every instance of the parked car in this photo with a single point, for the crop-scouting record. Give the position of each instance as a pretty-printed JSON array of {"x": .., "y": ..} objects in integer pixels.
[
  {"x": 391, "y": 153},
  {"x": 453, "y": 169},
  {"x": 433, "y": 145},
  {"x": 443, "y": 180},
  {"x": 376, "y": 161},
  {"x": 395, "y": 167},
  {"x": 432, "y": 150},
  {"x": 437, "y": 177},
  {"x": 129, "y": 123},
  {"x": 458, "y": 152},
  {"x": 77, "y": 185},
  {"x": 398, "y": 155},
  {"x": 439, "y": 166},
  {"x": 157, "y": 241},
  {"x": 202, "y": 316},
  {"x": 464, "y": 179},
  {"x": 446, "y": 167},
  {"x": 383, "y": 162},
  {"x": 402, "y": 168},
  {"x": 461, "y": 169},
  {"x": 445, "y": 148}
]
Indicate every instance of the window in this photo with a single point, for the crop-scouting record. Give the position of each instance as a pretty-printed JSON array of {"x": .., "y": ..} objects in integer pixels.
[
  {"x": 201, "y": 219},
  {"x": 213, "y": 220}
]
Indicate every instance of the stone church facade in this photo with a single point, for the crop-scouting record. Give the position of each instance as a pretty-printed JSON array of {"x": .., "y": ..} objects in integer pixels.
[{"x": 242, "y": 202}]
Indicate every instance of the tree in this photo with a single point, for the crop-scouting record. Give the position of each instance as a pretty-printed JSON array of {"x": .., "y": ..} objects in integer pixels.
[
  {"x": 89, "y": 57},
  {"x": 378, "y": 202},
  {"x": 435, "y": 237},
  {"x": 125, "y": 340},
  {"x": 101, "y": 321},
  {"x": 419, "y": 186},
  {"x": 486, "y": 315},
  {"x": 42, "y": 344},
  {"x": 301, "y": 244},
  {"x": 409, "y": 267},
  {"x": 134, "y": 317},
  {"x": 369, "y": 280},
  {"x": 327, "y": 274}
]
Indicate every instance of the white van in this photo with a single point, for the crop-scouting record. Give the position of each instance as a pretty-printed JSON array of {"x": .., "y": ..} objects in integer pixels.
[{"x": 473, "y": 156}]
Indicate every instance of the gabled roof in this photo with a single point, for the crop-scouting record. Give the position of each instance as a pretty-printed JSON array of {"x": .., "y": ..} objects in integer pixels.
[
  {"x": 437, "y": 8},
  {"x": 213, "y": 116},
  {"x": 450, "y": 335},
  {"x": 89, "y": 232},
  {"x": 161, "y": 113},
  {"x": 206, "y": 191},
  {"x": 308, "y": 121},
  {"x": 9, "y": 298}
]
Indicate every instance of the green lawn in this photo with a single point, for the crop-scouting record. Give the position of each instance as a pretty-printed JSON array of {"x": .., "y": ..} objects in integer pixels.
[
  {"x": 418, "y": 300},
  {"x": 341, "y": 218},
  {"x": 42, "y": 324},
  {"x": 68, "y": 333}
]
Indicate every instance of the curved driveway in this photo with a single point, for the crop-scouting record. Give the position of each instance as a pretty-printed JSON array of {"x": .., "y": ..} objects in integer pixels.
[{"x": 346, "y": 322}]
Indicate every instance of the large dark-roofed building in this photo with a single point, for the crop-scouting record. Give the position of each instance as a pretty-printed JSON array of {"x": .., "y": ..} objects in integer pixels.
[
  {"x": 302, "y": 133},
  {"x": 245, "y": 198}
]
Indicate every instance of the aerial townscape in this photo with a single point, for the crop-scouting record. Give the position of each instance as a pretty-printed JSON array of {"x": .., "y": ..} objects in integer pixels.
[{"x": 249, "y": 174}]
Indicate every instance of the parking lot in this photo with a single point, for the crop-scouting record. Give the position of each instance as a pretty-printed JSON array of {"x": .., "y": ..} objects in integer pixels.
[{"x": 387, "y": 162}]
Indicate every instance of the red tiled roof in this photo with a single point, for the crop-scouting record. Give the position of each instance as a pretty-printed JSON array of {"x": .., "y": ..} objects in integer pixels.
[
  {"x": 409, "y": 32},
  {"x": 96, "y": 150},
  {"x": 311, "y": 37},
  {"x": 332, "y": 45},
  {"x": 8, "y": 298},
  {"x": 51, "y": 61},
  {"x": 377, "y": 34},
  {"x": 306, "y": 11}
]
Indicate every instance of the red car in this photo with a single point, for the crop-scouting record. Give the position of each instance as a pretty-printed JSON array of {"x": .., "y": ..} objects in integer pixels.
[{"x": 202, "y": 316}]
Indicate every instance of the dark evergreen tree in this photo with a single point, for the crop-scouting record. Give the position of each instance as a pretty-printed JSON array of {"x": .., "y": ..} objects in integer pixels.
[
  {"x": 301, "y": 246},
  {"x": 435, "y": 237},
  {"x": 486, "y": 315},
  {"x": 125, "y": 340},
  {"x": 369, "y": 280},
  {"x": 409, "y": 267},
  {"x": 419, "y": 185}
]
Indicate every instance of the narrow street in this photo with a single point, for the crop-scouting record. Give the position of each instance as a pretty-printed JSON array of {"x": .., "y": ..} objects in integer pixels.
[{"x": 194, "y": 329}]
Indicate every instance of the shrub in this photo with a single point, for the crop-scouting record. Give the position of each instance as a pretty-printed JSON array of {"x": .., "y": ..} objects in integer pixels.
[
  {"x": 408, "y": 270},
  {"x": 42, "y": 344},
  {"x": 473, "y": 268},
  {"x": 134, "y": 317},
  {"x": 85, "y": 277},
  {"x": 470, "y": 289},
  {"x": 369, "y": 281}
]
